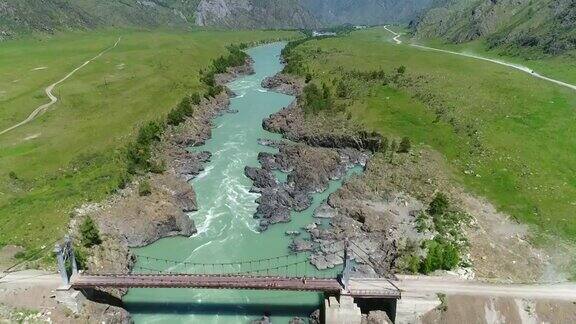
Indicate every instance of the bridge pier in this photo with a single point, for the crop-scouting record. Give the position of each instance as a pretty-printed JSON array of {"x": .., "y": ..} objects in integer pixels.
[{"x": 344, "y": 308}]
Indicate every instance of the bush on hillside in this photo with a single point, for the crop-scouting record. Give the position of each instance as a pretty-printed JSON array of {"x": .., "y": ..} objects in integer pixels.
[
  {"x": 405, "y": 145},
  {"x": 182, "y": 111},
  {"x": 441, "y": 255},
  {"x": 144, "y": 189},
  {"x": 439, "y": 205},
  {"x": 150, "y": 132},
  {"x": 90, "y": 236}
]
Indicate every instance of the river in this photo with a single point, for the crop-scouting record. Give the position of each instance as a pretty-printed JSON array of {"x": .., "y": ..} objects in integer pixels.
[{"x": 227, "y": 231}]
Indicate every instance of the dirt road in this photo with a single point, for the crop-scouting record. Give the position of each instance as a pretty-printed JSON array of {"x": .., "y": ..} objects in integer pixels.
[
  {"x": 22, "y": 279},
  {"x": 53, "y": 99},
  {"x": 511, "y": 65},
  {"x": 452, "y": 286}
]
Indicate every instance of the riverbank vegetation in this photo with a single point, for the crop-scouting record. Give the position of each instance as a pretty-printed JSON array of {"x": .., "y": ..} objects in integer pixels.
[
  {"x": 79, "y": 151},
  {"x": 504, "y": 134}
]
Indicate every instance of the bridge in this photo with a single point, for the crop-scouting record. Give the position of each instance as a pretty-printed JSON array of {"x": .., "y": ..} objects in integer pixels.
[{"x": 290, "y": 272}]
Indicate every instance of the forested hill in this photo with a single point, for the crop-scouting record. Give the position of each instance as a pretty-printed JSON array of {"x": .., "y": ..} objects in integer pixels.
[
  {"x": 27, "y": 16},
  {"x": 514, "y": 26}
]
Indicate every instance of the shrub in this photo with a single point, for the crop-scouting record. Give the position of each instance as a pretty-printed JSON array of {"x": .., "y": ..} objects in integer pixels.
[
  {"x": 413, "y": 263},
  {"x": 123, "y": 181},
  {"x": 158, "y": 167},
  {"x": 139, "y": 152},
  {"x": 89, "y": 233},
  {"x": 144, "y": 189},
  {"x": 441, "y": 255},
  {"x": 405, "y": 145},
  {"x": 401, "y": 69},
  {"x": 342, "y": 90},
  {"x": 81, "y": 256},
  {"x": 179, "y": 114},
  {"x": 13, "y": 175},
  {"x": 150, "y": 132},
  {"x": 439, "y": 205},
  {"x": 138, "y": 157}
]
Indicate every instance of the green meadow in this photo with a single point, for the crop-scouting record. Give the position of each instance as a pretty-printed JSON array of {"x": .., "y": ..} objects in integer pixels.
[
  {"x": 506, "y": 136},
  {"x": 72, "y": 154}
]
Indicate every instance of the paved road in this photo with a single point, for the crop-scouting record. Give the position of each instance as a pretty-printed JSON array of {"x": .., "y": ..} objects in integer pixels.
[
  {"x": 514, "y": 66},
  {"x": 422, "y": 284},
  {"x": 53, "y": 99}
]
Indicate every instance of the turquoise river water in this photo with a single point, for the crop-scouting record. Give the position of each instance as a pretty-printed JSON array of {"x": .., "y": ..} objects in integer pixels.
[{"x": 227, "y": 231}]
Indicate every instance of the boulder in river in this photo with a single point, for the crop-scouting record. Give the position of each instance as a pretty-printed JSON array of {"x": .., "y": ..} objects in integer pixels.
[{"x": 301, "y": 245}]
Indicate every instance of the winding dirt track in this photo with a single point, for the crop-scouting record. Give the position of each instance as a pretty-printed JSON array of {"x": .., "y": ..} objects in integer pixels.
[
  {"x": 514, "y": 66},
  {"x": 53, "y": 99}
]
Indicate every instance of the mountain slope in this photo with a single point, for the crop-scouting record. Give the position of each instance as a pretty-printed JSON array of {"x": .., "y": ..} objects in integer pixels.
[
  {"x": 254, "y": 14},
  {"x": 365, "y": 12},
  {"x": 26, "y": 16},
  {"x": 515, "y": 26}
]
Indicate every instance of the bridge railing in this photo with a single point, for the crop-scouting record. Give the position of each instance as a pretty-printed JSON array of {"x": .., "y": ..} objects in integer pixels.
[{"x": 287, "y": 266}]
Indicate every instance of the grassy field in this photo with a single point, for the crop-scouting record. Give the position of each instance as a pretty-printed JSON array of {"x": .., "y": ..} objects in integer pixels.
[
  {"x": 524, "y": 126},
  {"x": 70, "y": 155}
]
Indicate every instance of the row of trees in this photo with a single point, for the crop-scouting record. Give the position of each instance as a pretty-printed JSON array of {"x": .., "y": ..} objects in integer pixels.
[{"x": 139, "y": 152}]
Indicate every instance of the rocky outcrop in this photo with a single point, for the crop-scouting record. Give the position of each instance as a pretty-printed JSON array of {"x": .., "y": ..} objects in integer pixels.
[
  {"x": 290, "y": 122},
  {"x": 377, "y": 317},
  {"x": 284, "y": 83},
  {"x": 254, "y": 14},
  {"x": 309, "y": 170}
]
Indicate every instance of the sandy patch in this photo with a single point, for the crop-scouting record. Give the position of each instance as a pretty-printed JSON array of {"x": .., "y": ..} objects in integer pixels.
[
  {"x": 40, "y": 68},
  {"x": 500, "y": 247}
]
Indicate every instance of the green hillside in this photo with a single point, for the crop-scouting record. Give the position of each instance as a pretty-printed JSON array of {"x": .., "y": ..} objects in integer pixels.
[
  {"x": 506, "y": 136},
  {"x": 529, "y": 28}
]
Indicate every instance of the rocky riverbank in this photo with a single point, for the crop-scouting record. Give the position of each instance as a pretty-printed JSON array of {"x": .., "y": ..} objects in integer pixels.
[
  {"x": 129, "y": 219},
  {"x": 379, "y": 212}
]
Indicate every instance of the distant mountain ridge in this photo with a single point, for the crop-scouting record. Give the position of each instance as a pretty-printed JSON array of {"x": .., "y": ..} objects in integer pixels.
[
  {"x": 29, "y": 16},
  {"x": 514, "y": 26}
]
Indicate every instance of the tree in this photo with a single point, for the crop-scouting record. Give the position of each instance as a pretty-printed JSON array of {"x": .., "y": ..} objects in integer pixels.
[
  {"x": 89, "y": 232},
  {"x": 405, "y": 145}
]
